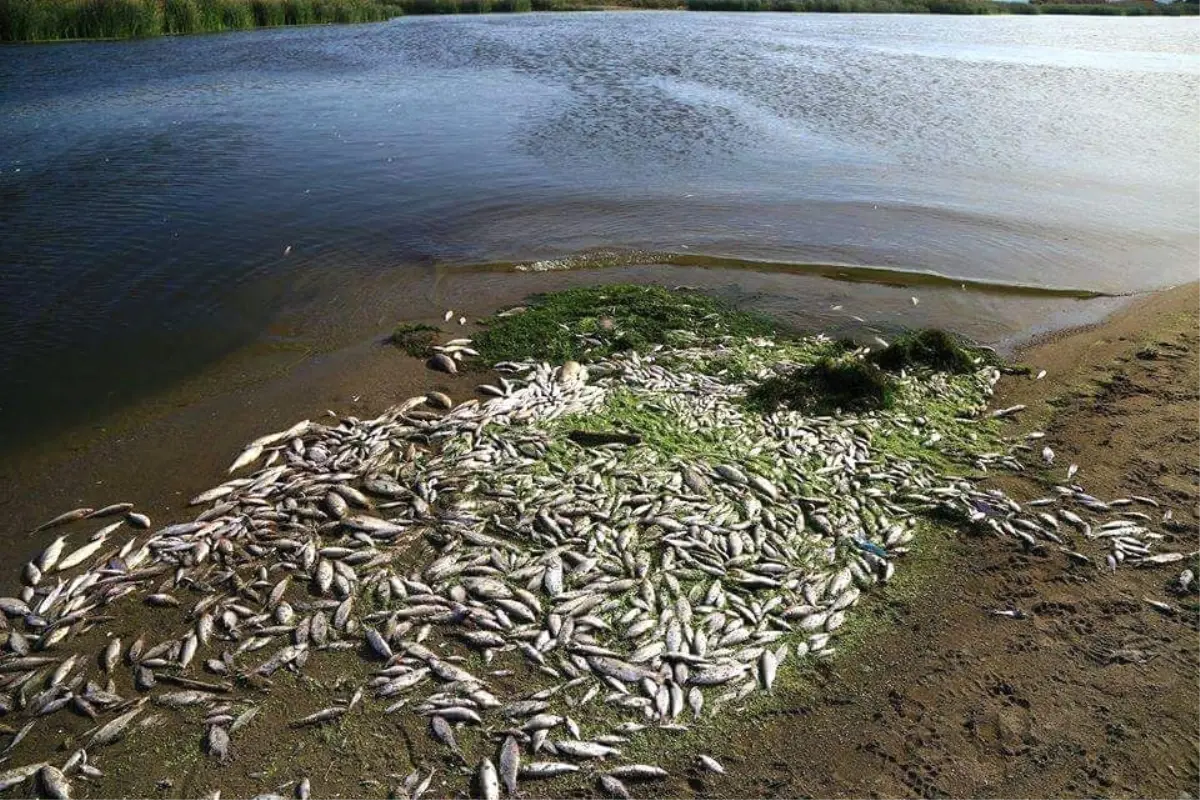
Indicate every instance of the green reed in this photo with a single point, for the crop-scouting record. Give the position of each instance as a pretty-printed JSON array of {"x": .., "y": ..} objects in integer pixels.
[{"x": 47, "y": 20}]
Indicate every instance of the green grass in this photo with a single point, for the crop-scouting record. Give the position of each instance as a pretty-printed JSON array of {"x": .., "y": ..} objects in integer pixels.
[
  {"x": 616, "y": 317},
  {"x": 659, "y": 428},
  {"x": 829, "y": 384},
  {"x": 416, "y": 339}
]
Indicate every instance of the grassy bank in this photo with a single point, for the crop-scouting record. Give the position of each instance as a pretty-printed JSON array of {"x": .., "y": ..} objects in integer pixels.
[
  {"x": 51, "y": 20},
  {"x": 48, "y": 20}
]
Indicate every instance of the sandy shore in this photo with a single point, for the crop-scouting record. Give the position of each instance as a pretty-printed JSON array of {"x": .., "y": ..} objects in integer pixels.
[
  {"x": 942, "y": 700},
  {"x": 950, "y": 701}
]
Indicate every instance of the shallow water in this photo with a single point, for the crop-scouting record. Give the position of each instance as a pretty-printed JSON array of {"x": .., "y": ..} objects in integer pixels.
[{"x": 148, "y": 190}]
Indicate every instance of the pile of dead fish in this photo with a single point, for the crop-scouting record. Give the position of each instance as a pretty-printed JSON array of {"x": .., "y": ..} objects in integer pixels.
[{"x": 635, "y": 589}]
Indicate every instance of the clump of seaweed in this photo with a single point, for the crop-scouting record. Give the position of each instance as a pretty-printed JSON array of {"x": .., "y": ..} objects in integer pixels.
[
  {"x": 930, "y": 348},
  {"x": 416, "y": 339},
  {"x": 596, "y": 321},
  {"x": 828, "y": 385}
]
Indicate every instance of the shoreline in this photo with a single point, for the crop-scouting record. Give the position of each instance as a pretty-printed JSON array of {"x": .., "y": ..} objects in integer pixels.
[
  {"x": 278, "y": 379},
  {"x": 265, "y": 384},
  {"x": 925, "y": 634}
]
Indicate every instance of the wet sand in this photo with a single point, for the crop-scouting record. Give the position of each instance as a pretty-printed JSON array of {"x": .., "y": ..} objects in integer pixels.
[{"x": 942, "y": 699}]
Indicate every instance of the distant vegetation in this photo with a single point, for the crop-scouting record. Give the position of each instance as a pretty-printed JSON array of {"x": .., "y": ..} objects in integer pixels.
[
  {"x": 1125, "y": 8},
  {"x": 45, "y": 20},
  {"x": 42, "y": 20}
]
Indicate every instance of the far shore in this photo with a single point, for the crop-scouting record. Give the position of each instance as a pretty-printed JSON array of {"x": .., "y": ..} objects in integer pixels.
[{"x": 44, "y": 21}]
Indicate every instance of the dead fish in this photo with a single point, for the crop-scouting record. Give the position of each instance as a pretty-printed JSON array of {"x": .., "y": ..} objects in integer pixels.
[
  {"x": 510, "y": 765},
  {"x": 547, "y": 769},
  {"x": 13, "y": 607},
  {"x": 1159, "y": 559},
  {"x": 442, "y": 363},
  {"x": 79, "y": 556},
  {"x": 767, "y": 667},
  {"x": 108, "y": 511},
  {"x": 183, "y": 699},
  {"x": 639, "y": 772},
  {"x": 247, "y": 457},
  {"x": 63, "y": 519},
  {"x": 487, "y": 782},
  {"x": 710, "y": 764},
  {"x": 19, "y": 775},
  {"x": 442, "y": 731},
  {"x": 580, "y": 749},
  {"x": 49, "y": 557},
  {"x": 216, "y": 743},
  {"x": 324, "y": 715},
  {"x": 439, "y": 400},
  {"x": 1013, "y": 613},
  {"x": 1158, "y": 605},
  {"x": 449, "y": 315},
  {"x": 115, "y": 729},
  {"x": 612, "y": 786}
]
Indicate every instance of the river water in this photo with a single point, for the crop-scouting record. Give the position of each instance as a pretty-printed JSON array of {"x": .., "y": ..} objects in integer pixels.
[{"x": 165, "y": 203}]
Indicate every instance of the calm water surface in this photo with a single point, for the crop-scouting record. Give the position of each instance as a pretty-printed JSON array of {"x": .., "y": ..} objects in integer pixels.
[{"x": 148, "y": 190}]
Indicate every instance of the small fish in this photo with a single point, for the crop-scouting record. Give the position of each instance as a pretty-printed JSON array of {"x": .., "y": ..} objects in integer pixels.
[
  {"x": 63, "y": 519},
  {"x": 1158, "y": 605},
  {"x": 449, "y": 315},
  {"x": 442, "y": 731},
  {"x": 79, "y": 556},
  {"x": 324, "y": 715},
  {"x": 915, "y": 301},
  {"x": 510, "y": 765},
  {"x": 1047, "y": 455},
  {"x": 247, "y": 457},
  {"x": 115, "y": 729},
  {"x": 487, "y": 782},
  {"x": 710, "y": 764},
  {"x": 1013, "y": 613},
  {"x": 547, "y": 769},
  {"x": 613, "y": 787},
  {"x": 19, "y": 775},
  {"x": 442, "y": 363},
  {"x": 1041, "y": 374}
]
